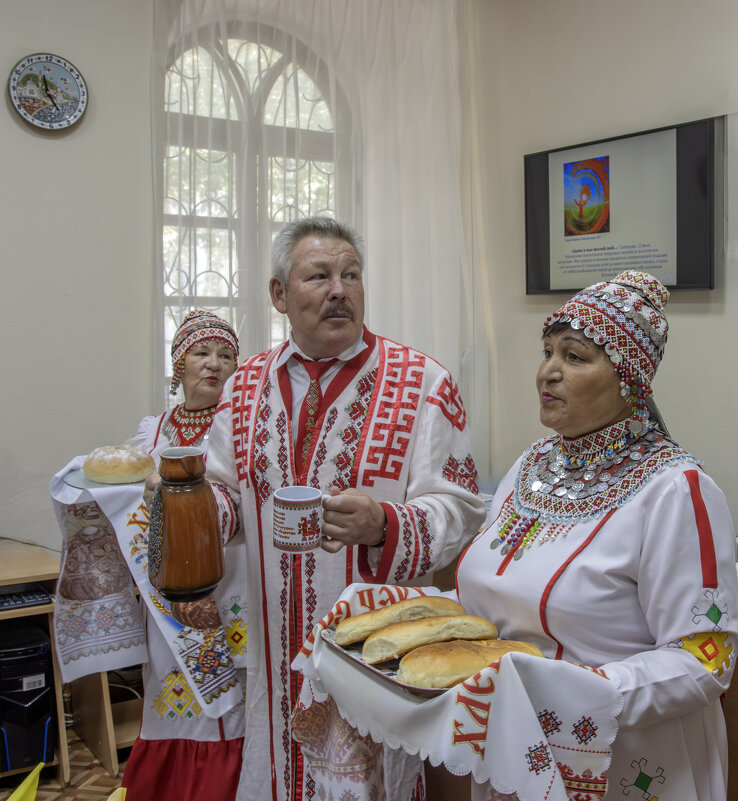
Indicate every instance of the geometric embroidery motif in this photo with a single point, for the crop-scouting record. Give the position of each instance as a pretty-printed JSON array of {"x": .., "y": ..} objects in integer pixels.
[
  {"x": 207, "y": 660},
  {"x": 463, "y": 474},
  {"x": 283, "y": 456},
  {"x": 584, "y": 730},
  {"x": 77, "y": 629},
  {"x": 321, "y": 451},
  {"x": 395, "y": 412},
  {"x": 245, "y": 383},
  {"x": 642, "y": 780},
  {"x": 711, "y": 649},
  {"x": 236, "y": 635},
  {"x": 583, "y": 786},
  {"x": 421, "y": 518},
  {"x": 712, "y": 608},
  {"x": 350, "y": 436},
  {"x": 549, "y": 722},
  {"x": 449, "y": 402},
  {"x": 262, "y": 435},
  {"x": 176, "y": 698},
  {"x": 539, "y": 758},
  {"x": 414, "y": 532}
]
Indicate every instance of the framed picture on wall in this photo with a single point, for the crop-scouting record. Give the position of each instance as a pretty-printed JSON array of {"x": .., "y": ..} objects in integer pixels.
[{"x": 648, "y": 201}]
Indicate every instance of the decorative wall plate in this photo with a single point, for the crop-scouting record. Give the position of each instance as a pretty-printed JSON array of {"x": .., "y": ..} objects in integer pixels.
[{"x": 47, "y": 91}]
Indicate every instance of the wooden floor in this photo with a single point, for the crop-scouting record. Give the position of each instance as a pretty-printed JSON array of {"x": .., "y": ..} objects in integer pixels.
[{"x": 89, "y": 781}]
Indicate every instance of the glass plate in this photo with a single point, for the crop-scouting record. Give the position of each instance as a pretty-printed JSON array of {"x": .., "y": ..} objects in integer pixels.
[{"x": 78, "y": 480}]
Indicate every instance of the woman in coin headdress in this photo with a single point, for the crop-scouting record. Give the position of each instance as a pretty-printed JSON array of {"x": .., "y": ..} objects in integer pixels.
[{"x": 609, "y": 546}]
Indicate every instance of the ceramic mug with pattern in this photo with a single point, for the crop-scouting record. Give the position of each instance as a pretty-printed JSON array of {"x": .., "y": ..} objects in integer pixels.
[{"x": 297, "y": 518}]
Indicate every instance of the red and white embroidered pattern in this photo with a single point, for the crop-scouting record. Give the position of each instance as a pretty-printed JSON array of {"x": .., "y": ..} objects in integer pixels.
[
  {"x": 394, "y": 415},
  {"x": 582, "y": 787},
  {"x": 230, "y": 520},
  {"x": 350, "y": 435},
  {"x": 321, "y": 451},
  {"x": 283, "y": 455},
  {"x": 186, "y": 428},
  {"x": 416, "y": 539},
  {"x": 286, "y": 616},
  {"x": 310, "y": 595},
  {"x": 549, "y": 721},
  {"x": 613, "y": 314},
  {"x": 539, "y": 758},
  {"x": 262, "y": 436},
  {"x": 245, "y": 385},
  {"x": 463, "y": 474},
  {"x": 449, "y": 402}
]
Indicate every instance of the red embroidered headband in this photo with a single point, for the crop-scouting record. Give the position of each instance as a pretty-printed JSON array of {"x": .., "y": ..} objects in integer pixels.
[
  {"x": 625, "y": 316},
  {"x": 198, "y": 326}
]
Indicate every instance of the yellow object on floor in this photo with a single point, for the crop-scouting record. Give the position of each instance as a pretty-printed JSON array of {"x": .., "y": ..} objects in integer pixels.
[
  {"x": 26, "y": 791},
  {"x": 118, "y": 795}
]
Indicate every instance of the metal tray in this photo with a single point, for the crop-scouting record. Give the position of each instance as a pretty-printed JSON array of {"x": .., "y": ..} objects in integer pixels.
[{"x": 386, "y": 671}]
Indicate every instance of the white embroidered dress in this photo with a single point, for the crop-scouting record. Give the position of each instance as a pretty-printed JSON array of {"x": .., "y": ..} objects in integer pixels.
[
  {"x": 628, "y": 567},
  {"x": 393, "y": 426}
]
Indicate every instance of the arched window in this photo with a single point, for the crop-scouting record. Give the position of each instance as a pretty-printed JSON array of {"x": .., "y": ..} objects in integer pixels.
[{"x": 252, "y": 131}]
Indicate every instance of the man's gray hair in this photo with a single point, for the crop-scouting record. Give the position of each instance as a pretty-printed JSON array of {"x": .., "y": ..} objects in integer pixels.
[{"x": 287, "y": 239}]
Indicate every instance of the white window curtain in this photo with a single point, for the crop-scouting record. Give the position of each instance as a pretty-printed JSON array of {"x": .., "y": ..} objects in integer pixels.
[{"x": 265, "y": 110}]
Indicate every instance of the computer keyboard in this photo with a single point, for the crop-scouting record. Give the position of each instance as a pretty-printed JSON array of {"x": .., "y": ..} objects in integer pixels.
[{"x": 36, "y": 596}]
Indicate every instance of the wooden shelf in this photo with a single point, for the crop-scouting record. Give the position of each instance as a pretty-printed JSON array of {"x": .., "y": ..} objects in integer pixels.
[
  {"x": 27, "y": 611},
  {"x": 127, "y": 721},
  {"x": 22, "y": 563},
  {"x": 102, "y": 725}
]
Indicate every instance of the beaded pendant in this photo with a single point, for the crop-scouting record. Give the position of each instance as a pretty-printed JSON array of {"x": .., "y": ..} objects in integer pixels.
[{"x": 185, "y": 427}]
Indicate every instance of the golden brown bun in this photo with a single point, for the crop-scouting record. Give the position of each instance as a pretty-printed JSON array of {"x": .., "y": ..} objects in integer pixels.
[
  {"x": 114, "y": 464},
  {"x": 397, "y": 639},
  {"x": 357, "y": 628},
  {"x": 443, "y": 664}
]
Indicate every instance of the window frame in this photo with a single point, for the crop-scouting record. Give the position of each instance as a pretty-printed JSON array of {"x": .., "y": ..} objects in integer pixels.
[{"x": 255, "y": 143}]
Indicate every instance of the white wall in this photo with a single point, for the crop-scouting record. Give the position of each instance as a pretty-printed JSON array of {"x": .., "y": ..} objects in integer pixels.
[
  {"x": 76, "y": 249},
  {"x": 551, "y": 74},
  {"x": 76, "y": 234}
]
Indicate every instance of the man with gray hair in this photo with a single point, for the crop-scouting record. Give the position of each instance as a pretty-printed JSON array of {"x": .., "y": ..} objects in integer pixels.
[{"x": 381, "y": 429}]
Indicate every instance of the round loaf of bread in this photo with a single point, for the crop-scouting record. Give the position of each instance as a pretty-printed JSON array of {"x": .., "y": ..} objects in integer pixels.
[
  {"x": 115, "y": 464},
  {"x": 359, "y": 627},
  {"x": 397, "y": 639},
  {"x": 443, "y": 664}
]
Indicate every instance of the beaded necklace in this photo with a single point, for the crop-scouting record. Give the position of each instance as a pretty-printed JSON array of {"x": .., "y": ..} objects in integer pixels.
[
  {"x": 185, "y": 427},
  {"x": 564, "y": 481}
]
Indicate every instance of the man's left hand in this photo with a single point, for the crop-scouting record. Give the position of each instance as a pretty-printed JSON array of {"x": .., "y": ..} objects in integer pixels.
[{"x": 351, "y": 518}]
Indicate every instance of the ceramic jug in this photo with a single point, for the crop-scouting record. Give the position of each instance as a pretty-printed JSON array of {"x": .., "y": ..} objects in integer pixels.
[{"x": 185, "y": 551}]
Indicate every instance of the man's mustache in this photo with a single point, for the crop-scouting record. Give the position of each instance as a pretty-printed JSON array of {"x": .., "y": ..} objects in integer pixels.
[{"x": 338, "y": 308}]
